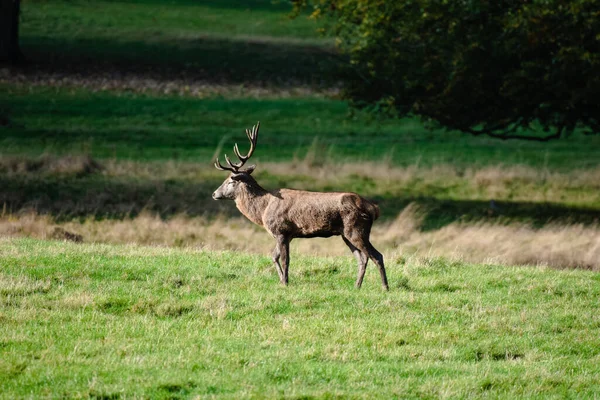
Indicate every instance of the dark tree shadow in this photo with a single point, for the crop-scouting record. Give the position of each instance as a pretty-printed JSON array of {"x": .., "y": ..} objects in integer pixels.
[
  {"x": 267, "y": 5},
  {"x": 439, "y": 212},
  {"x": 255, "y": 61},
  {"x": 100, "y": 197}
]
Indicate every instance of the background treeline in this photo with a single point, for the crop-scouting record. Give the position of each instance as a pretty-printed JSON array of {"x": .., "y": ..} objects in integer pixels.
[{"x": 482, "y": 67}]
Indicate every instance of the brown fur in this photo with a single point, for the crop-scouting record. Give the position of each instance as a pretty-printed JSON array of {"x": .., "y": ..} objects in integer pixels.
[{"x": 287, "y": 214}]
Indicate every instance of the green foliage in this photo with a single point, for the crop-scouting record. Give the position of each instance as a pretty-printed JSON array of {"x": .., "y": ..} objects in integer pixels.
[
  {"x": 482, "y": 67},
  {"x": 99, "y": 321}
]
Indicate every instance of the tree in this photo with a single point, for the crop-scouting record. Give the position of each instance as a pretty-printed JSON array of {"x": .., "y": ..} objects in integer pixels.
[
  {"x": 482, "y": 67},
  {"x": 9, "y": 31}
]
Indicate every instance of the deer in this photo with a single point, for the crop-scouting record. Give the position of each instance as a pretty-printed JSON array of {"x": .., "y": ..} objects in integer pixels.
[{"x": 287, "y": 214}]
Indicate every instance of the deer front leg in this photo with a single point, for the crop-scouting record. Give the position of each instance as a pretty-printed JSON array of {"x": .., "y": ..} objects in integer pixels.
[
  {"x": 281, "y": 255},
  {"x": 362, "y": 261}
]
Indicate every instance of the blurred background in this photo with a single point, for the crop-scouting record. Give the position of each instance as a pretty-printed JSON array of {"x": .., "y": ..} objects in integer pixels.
[{"x": 472, "y": 125}]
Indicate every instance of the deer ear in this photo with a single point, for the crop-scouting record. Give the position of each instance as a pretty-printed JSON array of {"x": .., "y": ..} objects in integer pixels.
[{"x": 249, "y": 169}]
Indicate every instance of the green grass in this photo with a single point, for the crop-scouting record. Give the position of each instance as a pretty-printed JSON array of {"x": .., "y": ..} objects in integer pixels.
[
  {"x": 121, "y": 321},
  {"x": 118, "y": 19},
  {"x": 233, "y": 40},
  {"x": 230, "y": 41},
  {"x": 110, "y": 322},
  {"x": 139, "y": 127}
]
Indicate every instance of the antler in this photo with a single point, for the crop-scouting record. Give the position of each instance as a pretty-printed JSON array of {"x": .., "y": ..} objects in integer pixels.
[{"x": 235, "y": 167}]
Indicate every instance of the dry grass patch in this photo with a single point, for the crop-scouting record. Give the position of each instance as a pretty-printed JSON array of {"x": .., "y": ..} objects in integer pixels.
[
  {"x": 570, "y": 246},
  {"x": 22, "y": 285},
  {"x": 497, "y": 238},
  {"x": 514, "y": 183},
  {"x": 155, "y": 84},
  {"x": 326, "y": 170},
  {"x": 77, "y": 165},
  {"x": 560, "y": 246},
  {"x": 501, "y": 183}
]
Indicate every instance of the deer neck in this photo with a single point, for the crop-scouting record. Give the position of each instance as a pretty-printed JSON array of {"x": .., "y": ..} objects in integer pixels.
[{"x": 252, "y": 202}]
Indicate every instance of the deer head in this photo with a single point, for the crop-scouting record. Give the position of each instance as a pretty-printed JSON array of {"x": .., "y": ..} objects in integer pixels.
[{"x": 229, "y": 188}]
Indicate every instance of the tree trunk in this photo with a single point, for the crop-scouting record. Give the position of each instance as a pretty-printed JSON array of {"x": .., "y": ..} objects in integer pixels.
[{"x": 9, "y": 31}]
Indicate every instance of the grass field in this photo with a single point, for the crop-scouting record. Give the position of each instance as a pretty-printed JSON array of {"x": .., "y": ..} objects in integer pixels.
[
  {"x": 98, "y": 48},
  {"x": 233, "y": 41},
  {"x": 124, "y": 321},
  {"x": 230, "y": 19},
  {"x": 145, "y": 127},
  {"x": 107, "y": 136}
]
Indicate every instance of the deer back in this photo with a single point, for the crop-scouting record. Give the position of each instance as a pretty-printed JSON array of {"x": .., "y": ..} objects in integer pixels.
[{"x": 306, "y": 214}]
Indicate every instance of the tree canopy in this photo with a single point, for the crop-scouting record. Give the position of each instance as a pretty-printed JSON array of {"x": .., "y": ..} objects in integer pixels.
[{"x": 482, "y": 67}]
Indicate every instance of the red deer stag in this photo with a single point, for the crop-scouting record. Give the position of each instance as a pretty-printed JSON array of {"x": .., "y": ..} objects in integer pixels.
[{"x": 287, "y": 214}]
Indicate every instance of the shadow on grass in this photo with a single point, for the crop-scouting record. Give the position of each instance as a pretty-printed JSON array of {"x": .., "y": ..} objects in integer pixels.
[
  {"x": 442, "y": 212},
  {"x": 98, "y": 196},
  {"x": 253, "y": 5},
  {"x": 268, "y": 61}
]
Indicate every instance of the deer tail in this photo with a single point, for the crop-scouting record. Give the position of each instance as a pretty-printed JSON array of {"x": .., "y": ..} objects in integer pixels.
[{"x": 372, "y": 209}]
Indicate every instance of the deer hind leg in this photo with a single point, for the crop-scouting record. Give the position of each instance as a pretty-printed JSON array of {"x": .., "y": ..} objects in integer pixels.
[
  {"x": 360, "y": 240},
  {"x": 377, "y": 258},
  {"x": 361, "y": 259},
  {"x": 281, "y": 255}
]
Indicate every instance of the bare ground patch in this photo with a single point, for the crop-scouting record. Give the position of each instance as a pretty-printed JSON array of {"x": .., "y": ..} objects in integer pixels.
[
  {"x": 151, "y": 83},
  {"x": 196, "y": 65}
]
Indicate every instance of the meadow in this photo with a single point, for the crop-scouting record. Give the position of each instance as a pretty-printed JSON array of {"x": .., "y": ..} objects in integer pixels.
[
  {"x": 120, "y": 277},
  {"x": 123, "y": 321}
]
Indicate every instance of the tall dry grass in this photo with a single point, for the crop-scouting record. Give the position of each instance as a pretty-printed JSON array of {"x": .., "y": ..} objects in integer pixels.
[
  {"x": 567, "y": 246},
  {"x": 487, "y": 180},
  {"x": 481, "y": 176},
  {"x": 515, "y": 183},
  {"x": 560, "y": 246},
  {"x": 498, "y": 182}
]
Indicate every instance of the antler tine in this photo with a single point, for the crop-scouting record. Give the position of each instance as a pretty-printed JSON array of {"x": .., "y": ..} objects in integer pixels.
[
  {"x": 237, "y": 152},
  {"x": 234, "y": 167},
  {"x": 222, "y": 168},
  {"x": 255, "y": 132},
  {"x": 252, "y": 136}
]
